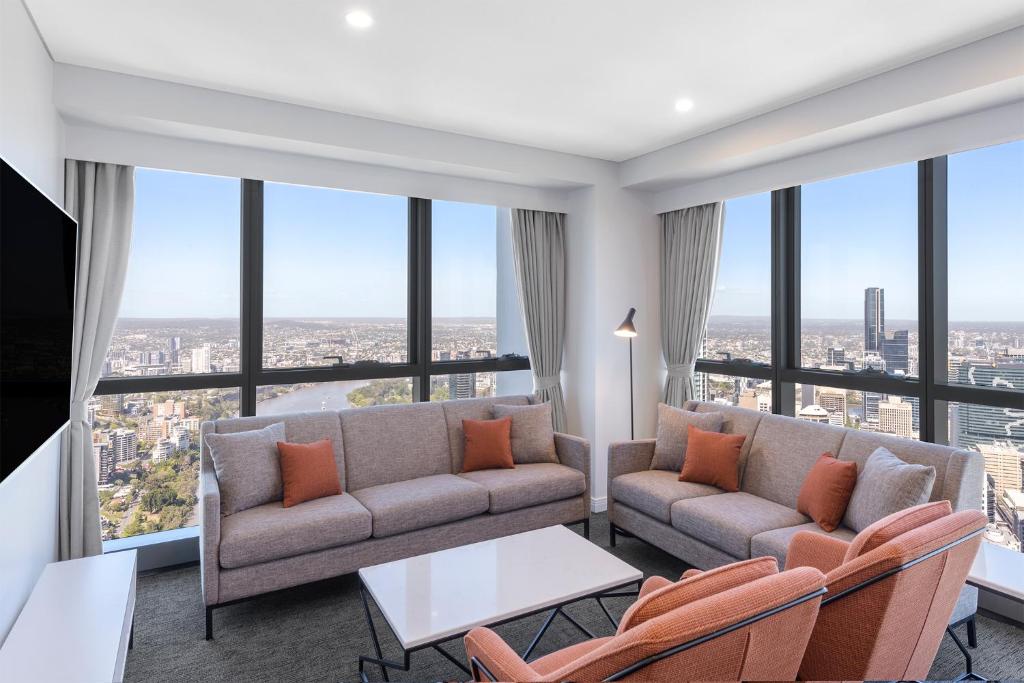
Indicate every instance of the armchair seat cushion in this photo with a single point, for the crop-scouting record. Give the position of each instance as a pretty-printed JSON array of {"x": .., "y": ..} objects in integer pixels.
[
  {"x": 654, "y": 491},
  {"x": 728, "y": 521},
  {"x": 775, "y": 543},
  {"x": 420, "y": 503},
  {"x": 528, "y": 485},
  {"x": 272, "y": 531}
]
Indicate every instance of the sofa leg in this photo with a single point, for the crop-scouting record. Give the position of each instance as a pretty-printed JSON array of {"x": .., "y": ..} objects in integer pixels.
[
  {"x": 611, "y": 535},
  {"x": 972, "y": 632},
  {"x": 586, "y": 529},
  {"x": 209, "y": 623}
]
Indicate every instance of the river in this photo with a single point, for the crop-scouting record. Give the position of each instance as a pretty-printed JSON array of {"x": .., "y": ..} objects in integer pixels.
[{"x": 325, "y": 396}]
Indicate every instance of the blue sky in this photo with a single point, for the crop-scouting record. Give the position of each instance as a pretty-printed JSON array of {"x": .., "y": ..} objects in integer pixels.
[
  {"x": 327, "y": 252},
  {"x": 860, "y": 231},
  {"x": 335, "y": 253}
]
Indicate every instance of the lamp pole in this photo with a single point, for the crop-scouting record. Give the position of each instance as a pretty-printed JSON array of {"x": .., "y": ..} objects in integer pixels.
[{"x": 632, "y": 434}]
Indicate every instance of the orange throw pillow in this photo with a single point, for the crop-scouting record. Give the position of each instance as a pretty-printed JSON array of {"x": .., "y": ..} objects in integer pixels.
[
  {"x": 712, "y": 458},
  {"x": 826, "y": 491},
  {"x": 308, "y": 471},
  {"x": 488, "y": 444}
]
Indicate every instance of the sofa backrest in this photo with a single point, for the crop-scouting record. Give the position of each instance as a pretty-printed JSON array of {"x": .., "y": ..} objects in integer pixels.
[
  {"x": 783, "y": 452},
  {"x": 471, "y": 409},
  {"x": 959, "y": 474},
  {"x": 298, "y": 427},
  {"x": 736, "y": 421}
]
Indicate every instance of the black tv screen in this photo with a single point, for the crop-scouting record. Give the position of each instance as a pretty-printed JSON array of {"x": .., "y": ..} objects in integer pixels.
[{"x": 38, "y": 244}]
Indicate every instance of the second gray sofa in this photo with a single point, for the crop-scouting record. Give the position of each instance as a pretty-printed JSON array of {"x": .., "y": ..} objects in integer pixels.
[{"x": 399, "y": 467}]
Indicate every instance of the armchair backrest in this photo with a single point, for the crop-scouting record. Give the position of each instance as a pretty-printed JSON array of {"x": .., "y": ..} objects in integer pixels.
[
  {"x": 888, "y": 607},
  {"x": 753, "y": 631}
]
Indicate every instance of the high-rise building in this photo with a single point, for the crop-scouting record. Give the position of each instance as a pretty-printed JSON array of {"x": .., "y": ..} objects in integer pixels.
[
  {"x": 895, "y": 416},
  {"x": 462, "y": 385},
  {"x": 988, "y": 501},
  {"x": 103, "y": 456},
  {"x": 835, "y": 355},
  {"x": 896, "y": 352},
  {"x": 1003, "y": 465},
  {"x": 813, "y": 413},
  {"x": 834, "y": 401},
  {"x": 806, "y": 395},
  {"x": 174, "y": 349},
  {"x": 169, "y": 408},
  {"x": 874, "y": 319},
  {"x": 871, "y": 401},
  {"x": 179, "y": 436},
  {"x": 974, "y": 424},
  {"x": 201, "y": 360},
  {"x": 125, "y": 445},
  {"x": 162, "y": 450}
]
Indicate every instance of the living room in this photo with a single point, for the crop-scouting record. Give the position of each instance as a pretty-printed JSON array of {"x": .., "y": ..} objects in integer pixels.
[{"x": 511, "y": 341}]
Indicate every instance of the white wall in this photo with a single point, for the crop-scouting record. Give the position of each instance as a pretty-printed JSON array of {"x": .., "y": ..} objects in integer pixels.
[
  {"x": 28, "y": 508},
  {"x": 31, "y": 132},
  {"x": 31, "y": 140}
]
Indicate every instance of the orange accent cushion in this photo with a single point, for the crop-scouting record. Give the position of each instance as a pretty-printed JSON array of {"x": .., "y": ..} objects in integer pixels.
[
  {"x": 826, "y": 491},
  {"x": 712, "y": 458},
  {"x": 488, "y": 444},
  {"x": 308, "y": 471}
]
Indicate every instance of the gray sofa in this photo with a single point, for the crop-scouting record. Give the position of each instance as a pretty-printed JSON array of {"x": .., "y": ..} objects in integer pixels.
[
  {"x": 403, "y": 495},
  {"x": 706, "y": 527}
]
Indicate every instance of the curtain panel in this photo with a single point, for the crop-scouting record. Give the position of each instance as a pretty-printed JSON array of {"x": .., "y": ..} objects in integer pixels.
[
  {"x": 538, "y": 245},
  {"x": 101, "y": 198},
  {"x": 691, "y": 246}
]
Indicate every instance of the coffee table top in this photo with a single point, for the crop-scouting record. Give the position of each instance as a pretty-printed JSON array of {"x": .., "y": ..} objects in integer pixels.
[
  {"x": 431, "y": 597},
  {"x": 1000, "y": 570}
]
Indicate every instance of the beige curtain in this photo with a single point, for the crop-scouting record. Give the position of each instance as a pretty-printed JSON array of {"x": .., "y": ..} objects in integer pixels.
[
  {"x": 101, "y": 198},
  {"x": 691, "y": 245}
]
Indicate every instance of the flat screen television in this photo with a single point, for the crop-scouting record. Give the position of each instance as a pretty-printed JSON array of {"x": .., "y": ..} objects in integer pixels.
[{"x": 38, "y": 245}]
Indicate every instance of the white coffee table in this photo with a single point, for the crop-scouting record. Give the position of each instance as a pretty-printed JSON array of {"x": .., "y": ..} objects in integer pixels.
[{"x": 431, "y": 599}]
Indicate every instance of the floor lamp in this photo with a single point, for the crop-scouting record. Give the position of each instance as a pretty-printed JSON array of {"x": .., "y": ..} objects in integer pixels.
[{"x": 627, "y": 329}]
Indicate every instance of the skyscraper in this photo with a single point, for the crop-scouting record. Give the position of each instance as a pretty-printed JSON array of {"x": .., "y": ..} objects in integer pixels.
[
  {"x": 835, "y": 355},
  {"x": 201, "y": 359},
  {"x": 895, "y": 417},
  {"x": 462, "y": 385},
  {"x": 174, "y": 346},
  {"x": 874, "y": 319},
  {"x": 896, "y": 351},
  {"x": 124, "y": 443}
]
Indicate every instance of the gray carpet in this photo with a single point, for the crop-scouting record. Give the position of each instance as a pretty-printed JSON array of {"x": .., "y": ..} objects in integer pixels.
[{"x": 316, "y": 632}]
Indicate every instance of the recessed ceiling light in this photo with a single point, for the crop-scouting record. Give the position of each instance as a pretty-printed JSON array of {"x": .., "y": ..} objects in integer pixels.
[
  {"x": 359, "y": 19},
  {"x": 684, "y": 104}
]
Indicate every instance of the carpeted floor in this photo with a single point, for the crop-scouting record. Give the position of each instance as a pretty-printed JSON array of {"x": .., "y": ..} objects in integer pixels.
[{"x": 316, "y": 632}]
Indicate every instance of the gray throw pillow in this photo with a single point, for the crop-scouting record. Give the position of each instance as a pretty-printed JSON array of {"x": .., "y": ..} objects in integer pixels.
[
  {"x": 886, "y": 485},
  {"x": 248, "y": 467},
  {"x": 670, "y": 446},
  {"x": 533, "y": 437}
]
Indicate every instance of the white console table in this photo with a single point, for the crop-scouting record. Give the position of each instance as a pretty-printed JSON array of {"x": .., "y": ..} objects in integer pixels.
[{"x": 77, "y": 623}]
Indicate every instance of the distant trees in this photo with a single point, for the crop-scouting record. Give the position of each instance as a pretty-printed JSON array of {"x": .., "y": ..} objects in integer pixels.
[{"x": 380, "y": 392}]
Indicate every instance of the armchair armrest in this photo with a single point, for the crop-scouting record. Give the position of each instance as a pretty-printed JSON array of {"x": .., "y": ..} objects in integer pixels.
[
  {"x": 574, "y": 452},
  {"x": 500, "y": 661},
  {"x": 652, "y": 584},
  {"x": 690, "y": 573},
  {"x": 209, "y": 543},
  {"x": 809, "y": 549}
]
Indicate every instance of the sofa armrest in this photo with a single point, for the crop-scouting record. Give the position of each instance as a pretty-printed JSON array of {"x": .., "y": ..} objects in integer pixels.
[
  {"x": 808, "y": 549},
  {"x": 209, "y": 542},
  {"x": 574, "y": 452},
  {"x": 501, "y": 661},
  {"x": 629, "y": 456}
]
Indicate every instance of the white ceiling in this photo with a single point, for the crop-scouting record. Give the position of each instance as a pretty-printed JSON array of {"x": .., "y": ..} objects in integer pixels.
[{"x": 591, "y": 77}]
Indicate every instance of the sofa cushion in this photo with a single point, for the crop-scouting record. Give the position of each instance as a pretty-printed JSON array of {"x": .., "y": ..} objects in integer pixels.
[
  {"x": 489, "y": 445},
  {"x": 783, "y": 452},
  {"x": 298, "y": 428},
  {"x": 730, "y": 520},
  {"x": 529, "y": 484},
  {"x": 247, "y": 467},
  {"x": 471, "y": 409},
  {"x": 734, "y": 421},
  {"x": 272, "y": 531},
  {"x": 713, "y": 459},
  {"x": 385, "y": 444},
  {"x": 308, "y": 471},
  {"x": 859, "y": 445},
  {"x": 826, "y": 491},
  {"x": 424, "y": 502},
  {"x": 775, "y": 543},
  {"x": 887, "y": 485},
  {"x": 654, "y": 491},
  {"x": 673, "y": 432},
  {"x": 533, "y": 436}
]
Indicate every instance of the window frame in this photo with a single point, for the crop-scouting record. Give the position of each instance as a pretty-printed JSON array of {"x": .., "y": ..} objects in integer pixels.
[
  {"x": 252, "y": 374},
  {"x": 932, "y": 387}
]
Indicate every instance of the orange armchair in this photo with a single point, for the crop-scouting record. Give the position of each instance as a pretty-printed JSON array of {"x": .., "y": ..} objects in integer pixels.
[
  {"x": 891, "y": 591},
  {"x": 741, "y": 621}
]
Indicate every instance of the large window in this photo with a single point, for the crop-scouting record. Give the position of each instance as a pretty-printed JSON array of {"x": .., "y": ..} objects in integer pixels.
[
  {"x": 253, "y": 298},
  {"x": 895, "y": 309},
  {"x": 858, "y": 295},
  {"x": 739, "y": 325}
]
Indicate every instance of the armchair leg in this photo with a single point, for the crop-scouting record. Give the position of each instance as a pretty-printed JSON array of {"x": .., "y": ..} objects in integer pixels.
[
  {"x": 586, "y": 528},
  {"x": 972, "y": 632},
  {"x": 209, "y": 622},
  {"x": 611, "y": 535}
]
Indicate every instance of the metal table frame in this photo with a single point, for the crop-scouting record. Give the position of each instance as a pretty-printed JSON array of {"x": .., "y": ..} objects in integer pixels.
[{"x": 553, "y": 609}]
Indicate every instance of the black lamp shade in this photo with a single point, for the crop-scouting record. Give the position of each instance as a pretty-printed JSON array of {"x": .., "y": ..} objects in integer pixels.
[{"x": 626, "y": 329}]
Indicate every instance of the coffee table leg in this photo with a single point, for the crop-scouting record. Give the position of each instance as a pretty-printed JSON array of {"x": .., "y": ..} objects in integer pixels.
[
  {"x": 540, "y": 633},
  {"x": 379, "y": 660}
]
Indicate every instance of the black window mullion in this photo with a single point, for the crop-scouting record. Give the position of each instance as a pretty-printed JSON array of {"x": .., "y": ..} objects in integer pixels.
[
  {"x": 252, "y": 293},
  {"x": 933, "y": 298},
  {"x": 785, "y": 312},
  {"x": 419, "y": 295}
]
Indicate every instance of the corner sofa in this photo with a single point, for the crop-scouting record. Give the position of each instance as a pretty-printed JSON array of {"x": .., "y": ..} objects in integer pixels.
[
  {"x": 403, "y": 495},
  {"x": 707, "y": 527}
]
